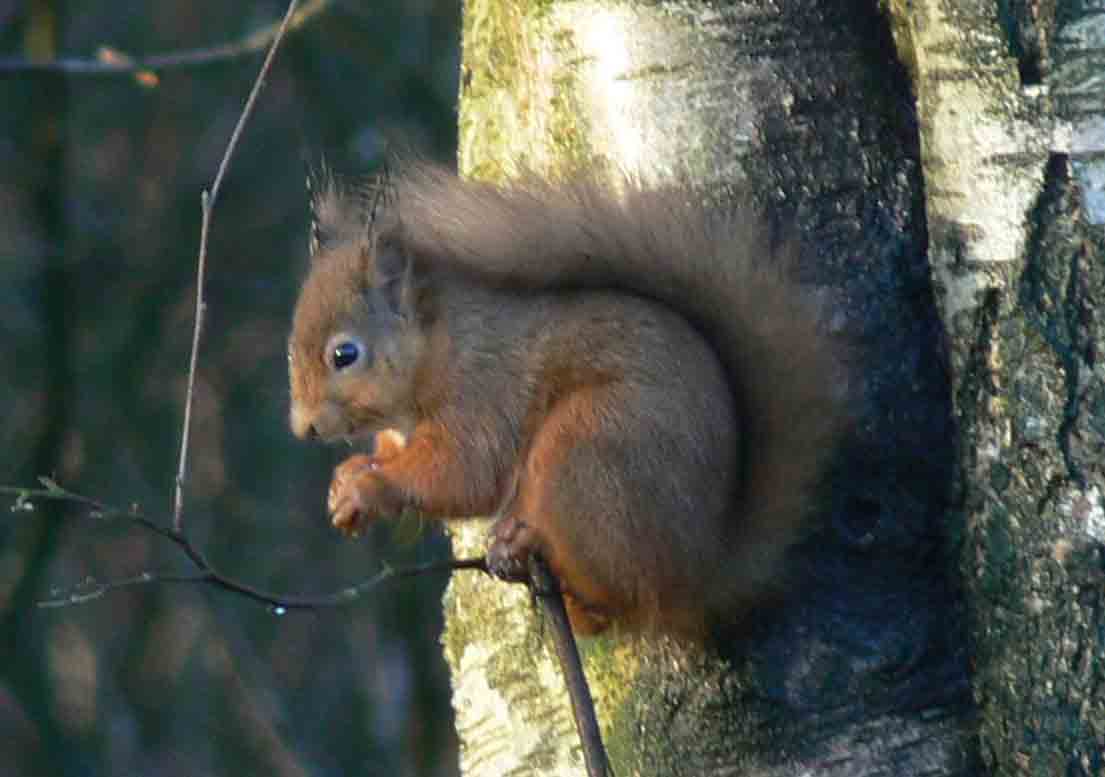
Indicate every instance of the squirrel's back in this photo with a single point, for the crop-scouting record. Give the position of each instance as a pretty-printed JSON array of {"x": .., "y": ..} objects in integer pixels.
[{"x": 722, "y": 272}]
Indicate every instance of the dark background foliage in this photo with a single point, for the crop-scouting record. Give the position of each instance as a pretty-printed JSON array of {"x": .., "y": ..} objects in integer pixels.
[{"x": 99, "y": 223}]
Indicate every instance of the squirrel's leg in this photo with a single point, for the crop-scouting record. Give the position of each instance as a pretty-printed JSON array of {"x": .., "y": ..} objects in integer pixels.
[
  {"x": 570, "y": 507},
  {"x": 623, "y": 492}
]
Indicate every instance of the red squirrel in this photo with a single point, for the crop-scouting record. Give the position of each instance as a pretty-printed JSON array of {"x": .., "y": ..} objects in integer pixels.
[{"x": 629, "y": 381}]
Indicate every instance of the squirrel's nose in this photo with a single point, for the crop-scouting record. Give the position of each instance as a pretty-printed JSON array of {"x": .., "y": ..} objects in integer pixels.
[{"x": 303, "y": 425}]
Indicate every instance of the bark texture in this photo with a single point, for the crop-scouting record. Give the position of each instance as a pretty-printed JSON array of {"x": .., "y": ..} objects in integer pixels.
[
  {"x": 805, "y": 104},
  {"x": 1007, "y": 110}
]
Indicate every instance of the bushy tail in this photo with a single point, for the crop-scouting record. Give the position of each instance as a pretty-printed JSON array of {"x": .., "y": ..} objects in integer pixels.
[{"x": 721, "y": 272}]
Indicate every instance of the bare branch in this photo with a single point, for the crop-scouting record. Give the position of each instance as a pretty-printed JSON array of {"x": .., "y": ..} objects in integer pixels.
[
  {"x": 206, "y": 573},
  {"x": 207, "y": 201},
  {"x": 111, "y": 62},
  {"x": 90, "y": 589},
  {"x": 547, "y": 590}
]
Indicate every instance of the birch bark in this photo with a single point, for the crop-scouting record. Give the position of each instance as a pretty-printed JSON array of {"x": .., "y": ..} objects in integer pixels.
[
  {"x": 1013, "y": 139},
  {"x": 807, "y": 105}
]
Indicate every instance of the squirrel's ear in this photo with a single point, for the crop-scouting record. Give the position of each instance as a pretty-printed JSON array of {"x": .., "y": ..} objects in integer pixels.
[
  {"x": 335, "y": 213},
  {"x": 392, "y": 274}
]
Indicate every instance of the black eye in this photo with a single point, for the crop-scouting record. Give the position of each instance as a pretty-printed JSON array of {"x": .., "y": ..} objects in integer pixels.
[{"x": 344, "y": 354}]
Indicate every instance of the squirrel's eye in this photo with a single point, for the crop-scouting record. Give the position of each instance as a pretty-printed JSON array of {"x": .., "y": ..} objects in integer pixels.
[{"x": 344, "y": 354}]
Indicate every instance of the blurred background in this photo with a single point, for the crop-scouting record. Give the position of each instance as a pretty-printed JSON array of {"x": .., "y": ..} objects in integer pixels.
[{"x": 100, "y": 180}]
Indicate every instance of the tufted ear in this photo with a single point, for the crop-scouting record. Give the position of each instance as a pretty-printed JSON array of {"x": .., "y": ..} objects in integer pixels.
[
  {"x": 342, "y": 214},
  {"x": 336, "y": 214}
]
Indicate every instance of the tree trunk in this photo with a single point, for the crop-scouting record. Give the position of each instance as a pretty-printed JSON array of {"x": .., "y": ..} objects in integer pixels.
[
  {"x": 805, "y": 104},
  {"x": 1007, "y": 113}
]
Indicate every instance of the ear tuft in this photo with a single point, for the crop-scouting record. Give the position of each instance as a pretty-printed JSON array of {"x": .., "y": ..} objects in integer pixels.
[
  {"x": 337, "y": 215},
  {"x": 347, "y": 214}
]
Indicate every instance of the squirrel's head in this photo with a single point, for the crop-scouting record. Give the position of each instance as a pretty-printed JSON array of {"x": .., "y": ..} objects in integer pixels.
[{"x": 357, "y": 338}]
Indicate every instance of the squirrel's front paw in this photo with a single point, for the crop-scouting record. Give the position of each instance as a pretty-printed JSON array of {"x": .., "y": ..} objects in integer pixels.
[
  {"x": 358, "y": 495},
  {"x": 512, "y": 542}
]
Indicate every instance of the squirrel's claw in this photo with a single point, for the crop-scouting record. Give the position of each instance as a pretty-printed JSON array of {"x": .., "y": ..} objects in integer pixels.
[{"x": 512, "y": 542}]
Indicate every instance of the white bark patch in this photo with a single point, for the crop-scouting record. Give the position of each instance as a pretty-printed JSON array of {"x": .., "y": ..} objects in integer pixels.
[
  {"x": 486, "y": 708},
  {"x": 1078, "y": 82},
  {"x": 1086, "y": 510},
  {"x": 984, "y": 145},
  {"x": 612, "y": 94},
  {"x": 512, "y": 710}
]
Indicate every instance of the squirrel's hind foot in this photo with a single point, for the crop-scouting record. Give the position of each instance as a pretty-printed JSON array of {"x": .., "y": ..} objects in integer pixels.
[{"x": 512, "y": 543}]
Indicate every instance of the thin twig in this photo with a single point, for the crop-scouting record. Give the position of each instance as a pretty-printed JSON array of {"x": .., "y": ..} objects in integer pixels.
[
  {"x": 207, "y": 202},
  {"x": 547, "y": 590},
  {"x": 206, "y": 573},
  {"x": 113, "y": 62}
]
